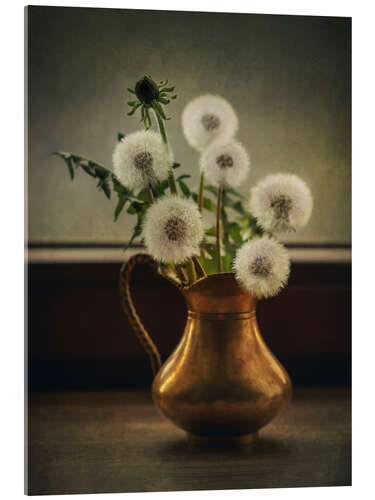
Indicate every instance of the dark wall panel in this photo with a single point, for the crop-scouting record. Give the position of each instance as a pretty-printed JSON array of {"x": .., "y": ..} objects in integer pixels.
[{"x": 78, "y": 335}]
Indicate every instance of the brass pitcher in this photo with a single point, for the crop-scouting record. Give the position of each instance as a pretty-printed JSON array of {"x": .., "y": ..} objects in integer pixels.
[{"x": 221, "y": 381}]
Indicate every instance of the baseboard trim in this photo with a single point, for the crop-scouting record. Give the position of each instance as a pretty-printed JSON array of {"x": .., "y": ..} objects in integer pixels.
[{"x": 105, "y": 254}]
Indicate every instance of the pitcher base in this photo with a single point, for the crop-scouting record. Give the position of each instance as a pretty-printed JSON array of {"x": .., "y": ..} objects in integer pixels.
[{"x": 223, "y": 441}]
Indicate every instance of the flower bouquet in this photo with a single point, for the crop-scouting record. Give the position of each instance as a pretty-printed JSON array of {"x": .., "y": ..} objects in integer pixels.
[
  {"x": 221, "y": 380},
  {"x": 170, "y": 214}
]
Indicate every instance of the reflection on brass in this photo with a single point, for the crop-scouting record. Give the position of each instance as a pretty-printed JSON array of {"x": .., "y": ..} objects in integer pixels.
[{"x": 221, "y": 381}]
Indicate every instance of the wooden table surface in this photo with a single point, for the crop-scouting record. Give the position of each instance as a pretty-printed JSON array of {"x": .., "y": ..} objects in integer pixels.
[{"x": 107, "y": 442}]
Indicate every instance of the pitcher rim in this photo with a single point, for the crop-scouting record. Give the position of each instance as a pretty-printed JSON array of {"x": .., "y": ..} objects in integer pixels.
[{"x": 208, "y": 276}]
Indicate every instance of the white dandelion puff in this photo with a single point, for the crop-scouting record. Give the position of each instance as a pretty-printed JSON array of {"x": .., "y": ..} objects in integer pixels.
[
  {"x": 225, "y": 163},
  {"x": 262, "y": 266},
  {"x": 207, "y": 118},
  {"x": 281, "y": 203},
  {"x": 173, "y": 229},
  {"x": 141, "y": 159}
]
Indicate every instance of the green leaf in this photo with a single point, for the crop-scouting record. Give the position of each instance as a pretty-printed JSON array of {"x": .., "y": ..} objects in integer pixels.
[
  {"x": 88, "y": 169},
  {"x": 209, "y": 265},
  {"x": 207, "y": 203},
  {"x": 62, "y": 154},
  {"x": 120, "y": 136},
  {"x": 69, "y": 163},
  {"x": 119, "y": 188},
  {"x": 159, "y": 109},
  {"x": 134, "y": 109},
  {"x": 167, "y": 89},
  {"x": 131, "y": 209},
  {"x": 84, "y": 164},
  {"x": 235, "y": 232},
  {"x": 143, "y": 196},
  {"x": 148, "y": 119},
  {"x": 145, "y": 117},
  {"x": 256, "y": 229},
  {"x": 160, "y": 188},
  {"x": 184, "y": 188},
  {"x": 235, "y": 205},
  {"x": 67, "y": 157},
  {"x": 212, "y": 189},
  {"x": 103, "y": 184},
  {"x": 120, "y": 205},
  {"x": 136, "y": 232},
  {"x": 135, "y": 207},
  {"x": 131, "y": 91},
  {"x": 227, "y": 263},
  {"x": 123, "y": 196},
  {"x": 211, "y": 231},
  {"x": 229, "y": 248},
  {"x": 210, "y": 249},
  {"x": 184, "y": 176},
  {"x": 239, "y": 207},
  {"x": 233, "y": 191},
  {"x": 101, "y": 172},
  {"x": 138, "y": 227},
  {"x": 176, "y": 165}
]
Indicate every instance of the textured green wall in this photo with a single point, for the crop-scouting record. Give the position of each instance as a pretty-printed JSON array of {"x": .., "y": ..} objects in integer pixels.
[{"x": 288, "y": 78}]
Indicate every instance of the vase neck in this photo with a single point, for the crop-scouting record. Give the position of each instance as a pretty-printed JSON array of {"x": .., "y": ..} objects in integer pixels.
[{"x": 219, "y": 294}]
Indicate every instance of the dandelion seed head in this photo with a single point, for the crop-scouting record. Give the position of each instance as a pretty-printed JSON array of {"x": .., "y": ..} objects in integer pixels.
[
  {"x": 225, "y": 163},
  {"x": 281, "y": 203},
  {"x": 210, "y": 121},
  {"x": 141, "y": 159},
  {"x": 262, "y": 266},
  {"x": 173, "y": 229},
  {"x": 208, "y": 118}
]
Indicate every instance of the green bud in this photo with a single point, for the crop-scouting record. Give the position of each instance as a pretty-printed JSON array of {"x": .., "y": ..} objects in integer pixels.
[{"x": 146, "y": 90}]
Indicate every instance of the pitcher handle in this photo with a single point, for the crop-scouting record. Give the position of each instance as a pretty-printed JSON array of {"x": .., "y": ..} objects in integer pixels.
[{"x": 130, "y": 311}]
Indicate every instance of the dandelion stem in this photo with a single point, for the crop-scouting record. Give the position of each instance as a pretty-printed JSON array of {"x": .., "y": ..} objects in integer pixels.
[
  {"x": 172, "y": 182},
  {"x": 191, "y": 271},
  {"x": 180, "y": 273},
  {"x": 163, "y": 133},
  {"x": 150, "y": 194},
  {"x": 218, "y": 228},
  {"x": 200, "y": 194},
  {"x": 162, "y": 130},
  {"x": 200, "y": 203},
  {"x": 199, "y": 266}
]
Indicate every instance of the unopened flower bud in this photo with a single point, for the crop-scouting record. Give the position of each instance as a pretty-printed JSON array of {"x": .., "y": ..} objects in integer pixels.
[{"x": 146, "y": 90}]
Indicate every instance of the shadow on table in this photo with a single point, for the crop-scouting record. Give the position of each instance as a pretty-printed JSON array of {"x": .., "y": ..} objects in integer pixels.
[{"x": 263, "y": 448}]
